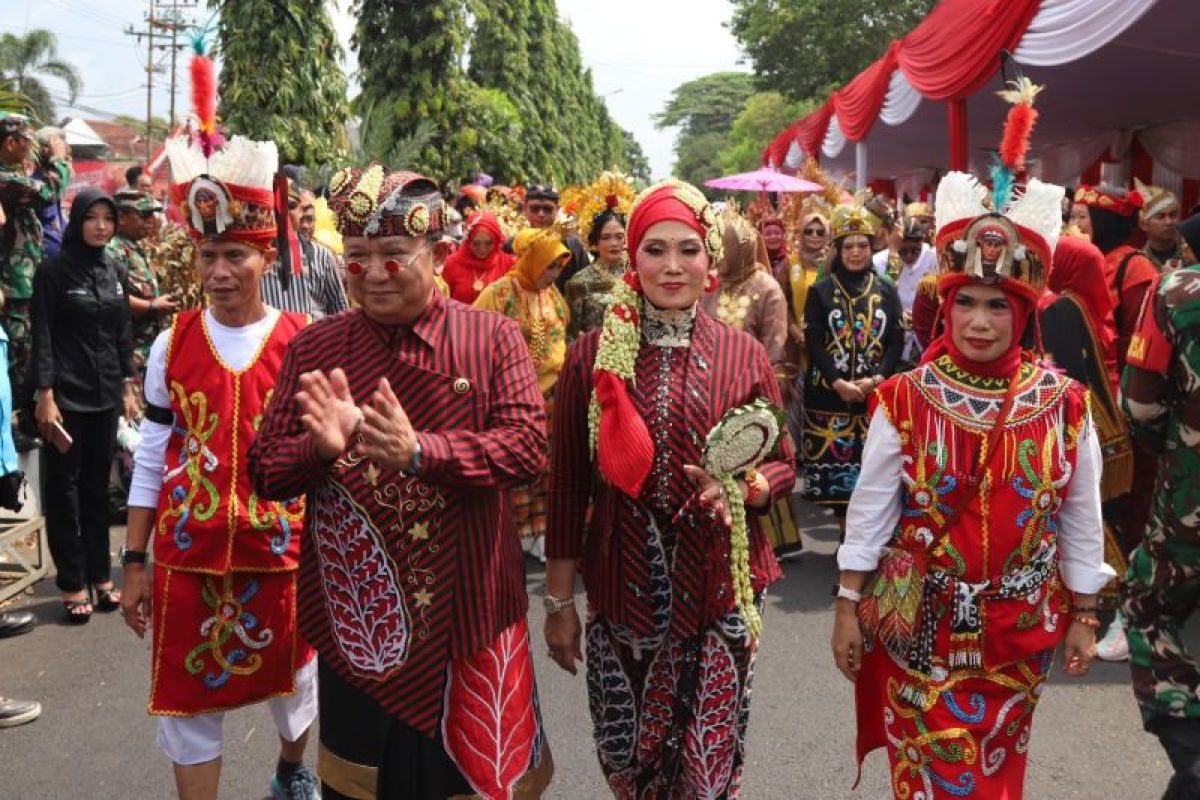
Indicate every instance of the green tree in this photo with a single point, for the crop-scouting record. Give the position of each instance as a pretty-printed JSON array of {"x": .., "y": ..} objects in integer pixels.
[
  {"x": 636, "y": 163},
  {"x": 763, "y": 116},
  {"x": 704, "y": 110},
  {"x": 413, "y": 85},
  {"x": 26, "y": 60},
  {"x": 282, "y": 80},
  {"x": 807, "y": 48},
  {"x": 706, "y": 104}
]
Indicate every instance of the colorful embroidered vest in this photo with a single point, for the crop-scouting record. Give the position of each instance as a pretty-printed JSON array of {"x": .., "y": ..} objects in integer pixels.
[
  {"x": 995, "y": 595},
  {"x": 209, "y": 518}
]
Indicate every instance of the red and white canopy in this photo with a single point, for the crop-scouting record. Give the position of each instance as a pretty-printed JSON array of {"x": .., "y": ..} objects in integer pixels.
[{"x": 1118, "y": 78}]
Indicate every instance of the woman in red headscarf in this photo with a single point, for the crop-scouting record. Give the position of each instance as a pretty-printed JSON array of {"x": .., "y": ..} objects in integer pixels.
[
  {"x": 973, "y": 539},
  {"x": 480, "y": 260},
  {"x": 674, "y": 559}
]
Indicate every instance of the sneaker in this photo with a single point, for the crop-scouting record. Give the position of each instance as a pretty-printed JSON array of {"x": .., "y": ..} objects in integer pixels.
[
  {"x": 18, "y": 712},
  {"x": 1114, "y": 646},
  {"x": 302, "y": 785}
]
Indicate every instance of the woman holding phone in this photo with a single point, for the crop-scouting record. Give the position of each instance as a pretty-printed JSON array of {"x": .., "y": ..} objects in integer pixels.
[{"x": 81, "y": 370}]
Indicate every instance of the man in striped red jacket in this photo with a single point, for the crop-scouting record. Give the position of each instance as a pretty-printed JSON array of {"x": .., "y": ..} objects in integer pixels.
[{"x": 406, "y": 421}]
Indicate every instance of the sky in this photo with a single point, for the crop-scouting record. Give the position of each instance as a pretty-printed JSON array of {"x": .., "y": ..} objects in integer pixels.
[{"x": 638, "y": 50}]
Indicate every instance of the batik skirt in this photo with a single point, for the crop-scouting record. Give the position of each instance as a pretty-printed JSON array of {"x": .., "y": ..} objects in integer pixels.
[
  {"x": 671, "y": 722},
  {"x": 965, "y": 734}
]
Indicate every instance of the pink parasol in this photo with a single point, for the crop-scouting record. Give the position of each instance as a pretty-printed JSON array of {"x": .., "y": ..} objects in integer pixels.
[{"x": 764, "y": 180}]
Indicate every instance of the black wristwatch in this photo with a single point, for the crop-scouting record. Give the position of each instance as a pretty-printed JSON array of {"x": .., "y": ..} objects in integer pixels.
[{"x": 132, "y": 556}]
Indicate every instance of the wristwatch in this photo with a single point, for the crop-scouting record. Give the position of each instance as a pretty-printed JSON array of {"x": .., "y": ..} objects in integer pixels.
[
  {"x": 414, "y": 463},
  {"x": 553, "y": 605},
  {"x": 132, "y": 556}
]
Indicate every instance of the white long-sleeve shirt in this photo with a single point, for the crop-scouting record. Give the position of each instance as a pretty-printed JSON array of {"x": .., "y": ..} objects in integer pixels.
[
  {"x": 876, "y": 505},
  {"x": 236, "y": 346}
]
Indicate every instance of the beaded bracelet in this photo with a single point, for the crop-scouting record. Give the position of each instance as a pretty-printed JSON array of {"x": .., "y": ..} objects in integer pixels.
[{"x": 1083, "y": 619}]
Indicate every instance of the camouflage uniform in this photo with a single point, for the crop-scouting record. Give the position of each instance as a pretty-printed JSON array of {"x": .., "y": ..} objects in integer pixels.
[
  {"x": 20, "y": 256},
  {"x": 1161, "y": 394},
  {"x": 140, "y": 277}
]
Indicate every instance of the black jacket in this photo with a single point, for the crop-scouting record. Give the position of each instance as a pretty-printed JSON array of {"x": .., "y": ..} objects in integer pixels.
[{"x": 82, "y": 336}]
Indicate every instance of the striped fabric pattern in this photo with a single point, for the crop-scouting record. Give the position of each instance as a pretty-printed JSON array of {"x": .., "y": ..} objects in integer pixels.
[
  {"x": 466, "y": 381},
  {"x": 723, "y": 369},
  {"x": 316, "y": 291}
]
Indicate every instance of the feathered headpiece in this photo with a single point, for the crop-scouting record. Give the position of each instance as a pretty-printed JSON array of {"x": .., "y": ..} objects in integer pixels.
[
  {"x": 1014, "y": 239},
  {"x": 233, "y": 189}
]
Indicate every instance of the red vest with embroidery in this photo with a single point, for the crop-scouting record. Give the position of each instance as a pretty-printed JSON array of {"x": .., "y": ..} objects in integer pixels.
[
  {"x": 1000, "y": 596},
  {"x": 209, "y": 518}
]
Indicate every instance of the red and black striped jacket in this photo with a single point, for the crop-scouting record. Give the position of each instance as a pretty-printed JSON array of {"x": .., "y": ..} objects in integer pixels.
[
  {"x": 399, "y": 573},
  {"x": 722, "y": 369}
]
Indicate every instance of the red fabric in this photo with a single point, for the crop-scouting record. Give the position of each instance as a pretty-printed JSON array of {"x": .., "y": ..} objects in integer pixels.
[
  {"x": 209, "y": 517},
  {"x": 1127, "y": 298},
  {"x": 200, "y": 633},
  {"x": 954, "y": 52},
  {"x": 857, "y": 104},
  {"x": 463, "y": 270},
  {"x": 1023, "y": 304},
  {"x": 810, "y": 131},
  {"x": 287, "y": 243},
  {"x": 465, "y": 380},
  {"x": 1078, "y": 268},
  {"x": 261, "y": 238},
  {"x": 625, "y": 452},
  {"x": 660, "y": 206},
  {"x": 1150, "y": 349}
]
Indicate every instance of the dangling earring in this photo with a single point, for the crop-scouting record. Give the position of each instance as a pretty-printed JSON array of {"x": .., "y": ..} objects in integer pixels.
[
  {"x": 710, "y": 283},
  {"x": 633, "y": 280}
]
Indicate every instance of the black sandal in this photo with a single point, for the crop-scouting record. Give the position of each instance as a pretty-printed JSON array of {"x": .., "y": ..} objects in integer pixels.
[
  {"x": 74, "y": 615},
  {"x": 108, "y": 600}
]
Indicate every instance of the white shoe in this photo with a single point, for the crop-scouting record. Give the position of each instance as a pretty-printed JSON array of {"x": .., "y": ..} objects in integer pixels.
[
  {"x": 1114, "y": 646},
  {"x": 538, "y": 548}
]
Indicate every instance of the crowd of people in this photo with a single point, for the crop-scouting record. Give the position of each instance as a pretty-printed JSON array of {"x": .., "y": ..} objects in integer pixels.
[{"x": 361, "y": 406}]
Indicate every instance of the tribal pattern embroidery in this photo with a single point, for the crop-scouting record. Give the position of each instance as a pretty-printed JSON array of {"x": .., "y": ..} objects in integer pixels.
[
  {"x": 230, "y": 619},
  {"x": 195, "y": 496}
]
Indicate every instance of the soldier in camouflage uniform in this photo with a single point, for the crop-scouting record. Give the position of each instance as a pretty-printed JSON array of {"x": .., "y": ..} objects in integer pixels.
[
  {"x": 147, "y": 304},
  {"x": 21, "y": 240},
  {"x": 1161, "y": 394}
]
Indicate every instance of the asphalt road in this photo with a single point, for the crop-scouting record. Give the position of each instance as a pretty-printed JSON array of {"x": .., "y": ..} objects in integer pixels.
[{"x": 94, "y": 739}]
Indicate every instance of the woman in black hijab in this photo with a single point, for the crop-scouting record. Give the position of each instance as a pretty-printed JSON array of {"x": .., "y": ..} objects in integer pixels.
[
  {"x": 854, "y": 342},
  {"x": 81, "y": 371}
]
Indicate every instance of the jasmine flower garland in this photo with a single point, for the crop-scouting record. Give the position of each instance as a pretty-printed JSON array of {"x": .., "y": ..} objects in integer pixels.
[{"x": 620, "y": 340}]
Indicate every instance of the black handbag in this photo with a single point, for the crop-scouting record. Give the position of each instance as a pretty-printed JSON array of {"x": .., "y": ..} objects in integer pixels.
[{"x": 10, "y": 490}]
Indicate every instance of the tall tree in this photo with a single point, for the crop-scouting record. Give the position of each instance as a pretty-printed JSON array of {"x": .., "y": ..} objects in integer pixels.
[
  {"x": 413, "y": 85},
  {"x": 281, "y": 78},
  {"x": 763, "y": 116},
  {"x": 807, "y": 48},
  {"x": 704, "y": 110},
  {"x": 26, "y": 60}
]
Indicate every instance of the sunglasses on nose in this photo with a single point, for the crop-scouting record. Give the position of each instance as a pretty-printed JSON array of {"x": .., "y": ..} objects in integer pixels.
[
  {"x": 391, "y": 265},
  {"x": 814, "y": 232}
]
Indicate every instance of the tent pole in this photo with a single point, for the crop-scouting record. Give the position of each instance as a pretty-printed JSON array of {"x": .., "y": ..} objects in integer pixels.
[
  {"x": 860, "y": 164},
  {"x": 957, "y": 122}
]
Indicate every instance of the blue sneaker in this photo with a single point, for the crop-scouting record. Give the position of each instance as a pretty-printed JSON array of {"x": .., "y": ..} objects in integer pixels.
[{"x": 302, "y": 785}]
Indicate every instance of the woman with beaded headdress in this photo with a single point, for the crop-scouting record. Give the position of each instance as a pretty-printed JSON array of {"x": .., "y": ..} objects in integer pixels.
[
  {"x": 664, "y": 425},
  {"x": 603, "y": 211},
  {"x": 854, "y": 341},
  {"x": 973, "y": 540},
  {"x": 528, "y": 295}
]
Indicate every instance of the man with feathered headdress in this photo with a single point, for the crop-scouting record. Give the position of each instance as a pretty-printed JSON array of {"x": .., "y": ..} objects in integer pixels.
[{"x": 221, "y": 606}]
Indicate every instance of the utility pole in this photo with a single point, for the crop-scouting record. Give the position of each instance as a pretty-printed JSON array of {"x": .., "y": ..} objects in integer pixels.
[{"x": 172, "y": 24}]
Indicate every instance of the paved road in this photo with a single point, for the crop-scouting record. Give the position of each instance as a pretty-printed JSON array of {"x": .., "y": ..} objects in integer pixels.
[{"x": 94, "y": 739}]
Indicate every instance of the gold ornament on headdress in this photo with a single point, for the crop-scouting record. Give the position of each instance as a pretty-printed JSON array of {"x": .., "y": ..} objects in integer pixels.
[
  {"x": 613, "y": 189},
  {"x": 508, "y": 214},
  {"x": 850, "y": 220}
]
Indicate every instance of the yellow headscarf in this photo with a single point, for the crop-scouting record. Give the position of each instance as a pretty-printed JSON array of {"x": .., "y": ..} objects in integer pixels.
[{"x": 537, "y": 250}]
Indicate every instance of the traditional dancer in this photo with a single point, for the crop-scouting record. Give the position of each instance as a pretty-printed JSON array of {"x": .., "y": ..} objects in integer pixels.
[
  {"x": 221, "y": 607},
  {"x": 977, "y": 510}
]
